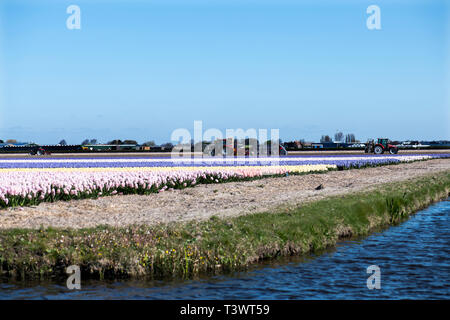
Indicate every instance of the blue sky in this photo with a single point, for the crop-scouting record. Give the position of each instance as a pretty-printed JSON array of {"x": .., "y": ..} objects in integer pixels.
[{"x": 141, "y": 69}]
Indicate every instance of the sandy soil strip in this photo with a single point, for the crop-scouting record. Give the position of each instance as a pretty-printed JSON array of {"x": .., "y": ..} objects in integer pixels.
[{"x": 203, "y": 201}]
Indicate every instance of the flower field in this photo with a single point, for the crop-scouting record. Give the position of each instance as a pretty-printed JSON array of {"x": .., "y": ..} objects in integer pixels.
[{"x": 32, "y": 181}]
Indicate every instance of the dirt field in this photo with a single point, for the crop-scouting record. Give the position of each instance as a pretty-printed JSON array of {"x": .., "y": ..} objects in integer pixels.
[{"x": 203, "y": 201}]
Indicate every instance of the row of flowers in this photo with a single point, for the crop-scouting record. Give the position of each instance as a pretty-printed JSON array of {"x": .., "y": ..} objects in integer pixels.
[
  {"x": 29, "y": 182},
  {"x": 31, "y": 187},
  {"x": 340, "y": 161}
]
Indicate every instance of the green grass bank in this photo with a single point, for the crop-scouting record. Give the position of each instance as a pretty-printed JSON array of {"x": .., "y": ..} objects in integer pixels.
[{"x": 216, "y": 245}]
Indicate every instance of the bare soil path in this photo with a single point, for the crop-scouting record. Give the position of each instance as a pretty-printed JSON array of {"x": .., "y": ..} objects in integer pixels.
[{"x": 204, "y": 201}]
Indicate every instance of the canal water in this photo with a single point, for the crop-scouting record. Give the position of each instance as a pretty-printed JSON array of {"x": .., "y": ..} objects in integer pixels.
[{"x": 413, "y": 258}]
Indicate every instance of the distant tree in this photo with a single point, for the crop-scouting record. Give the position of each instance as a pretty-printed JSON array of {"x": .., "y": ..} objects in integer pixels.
[
  {"x": 350, "y": 138},
  {"x": 339, "y": 136},
  {"x": 150, "y": 143},
  {"x": 130, "y": 142},
  {"x": 325, "y": 139},
  {"x": 11, "y": 141},
  {"x": 93, "y": 141},
  {"x": 85, "y": 141},
  {"x": 117, "y": 141},
  {"x": 167, "y": 145},
  {"x": 1, "y": 141},
  {"x": 63, "y": 142}
]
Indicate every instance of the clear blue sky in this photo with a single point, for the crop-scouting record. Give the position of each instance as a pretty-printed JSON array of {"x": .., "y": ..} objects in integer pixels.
[{"x": 140, "y": 69}]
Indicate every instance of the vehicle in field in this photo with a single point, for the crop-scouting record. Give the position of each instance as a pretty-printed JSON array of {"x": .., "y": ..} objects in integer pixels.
[
  {"x": 39, "y": 151},
  {"x": 382, "y": 145}
]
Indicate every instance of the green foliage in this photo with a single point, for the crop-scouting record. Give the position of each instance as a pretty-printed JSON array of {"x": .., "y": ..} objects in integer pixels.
[{"x": 217, "y": 245}]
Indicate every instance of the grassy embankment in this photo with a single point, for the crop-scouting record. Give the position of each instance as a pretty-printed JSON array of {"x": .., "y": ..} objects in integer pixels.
[{"x": 217, "y": 245}]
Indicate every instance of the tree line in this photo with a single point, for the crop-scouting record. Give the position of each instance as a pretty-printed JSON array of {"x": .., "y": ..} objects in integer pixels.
[{"x": 339, "y": 137}]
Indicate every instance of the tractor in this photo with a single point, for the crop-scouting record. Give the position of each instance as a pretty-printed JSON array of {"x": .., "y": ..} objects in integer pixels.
[
  {"x": 39, "y": 151},
  {"x": 380, "y": 146}
]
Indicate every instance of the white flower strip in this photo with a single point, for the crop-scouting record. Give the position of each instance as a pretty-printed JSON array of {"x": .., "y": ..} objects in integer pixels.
[{"x": 40, "y": 184}]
